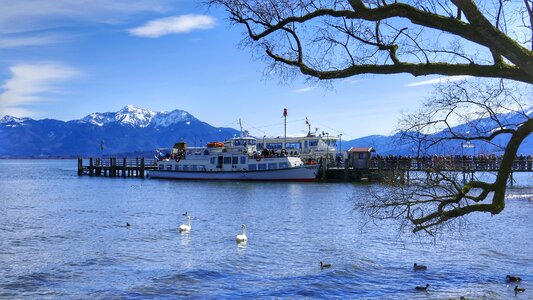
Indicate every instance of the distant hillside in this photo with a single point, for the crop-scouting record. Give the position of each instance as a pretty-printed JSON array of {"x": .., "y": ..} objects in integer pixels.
[
  {"x": 129, "y": 130},
  {"x": 394, "y": 145}
]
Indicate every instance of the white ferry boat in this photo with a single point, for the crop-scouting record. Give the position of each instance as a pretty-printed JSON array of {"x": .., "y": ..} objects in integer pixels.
[{"x": 235, "y": 159}]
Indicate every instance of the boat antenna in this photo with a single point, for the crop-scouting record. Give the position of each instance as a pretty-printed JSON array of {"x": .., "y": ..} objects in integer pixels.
[
  {"x": 240, "y": 124},
  {"x": 285, "y": 117}
]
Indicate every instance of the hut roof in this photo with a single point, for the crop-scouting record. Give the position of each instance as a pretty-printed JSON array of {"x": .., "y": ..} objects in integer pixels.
[{"x": 354, "y": 149}]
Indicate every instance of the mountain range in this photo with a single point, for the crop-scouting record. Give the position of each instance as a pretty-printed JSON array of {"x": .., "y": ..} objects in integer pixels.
[
  {"x": 127, "y": 131},
  {"x": 135, "y": 131}
]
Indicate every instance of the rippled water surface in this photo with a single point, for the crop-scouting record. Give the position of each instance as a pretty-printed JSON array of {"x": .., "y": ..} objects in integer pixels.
[{"x": 63, "y": 236}]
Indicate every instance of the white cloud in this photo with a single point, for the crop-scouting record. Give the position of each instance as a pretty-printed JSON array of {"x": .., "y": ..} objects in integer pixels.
[
  {"x": 303, "y": 90},
  {"x": 30, "y": 83},
  {"x": 170, "y": 25},
  {"x": 12, "y": 42},
  {"x": 439, "y": 80}
]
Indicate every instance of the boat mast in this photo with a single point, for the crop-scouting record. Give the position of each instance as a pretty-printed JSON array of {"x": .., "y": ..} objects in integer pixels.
[
  {"x": 308, "y": 127},
  {"x": 285, "y": 117},
  {"x": 240, "y": 124}
]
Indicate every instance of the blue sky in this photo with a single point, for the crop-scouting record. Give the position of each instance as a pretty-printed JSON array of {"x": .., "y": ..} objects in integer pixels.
[{"x": 65, "y": 59}]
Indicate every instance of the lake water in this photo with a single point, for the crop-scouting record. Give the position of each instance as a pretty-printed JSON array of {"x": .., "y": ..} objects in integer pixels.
[{"x": 64, "y": 236}]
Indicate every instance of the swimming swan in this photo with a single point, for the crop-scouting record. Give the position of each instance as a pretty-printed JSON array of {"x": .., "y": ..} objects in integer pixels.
[
  {"x": 241, "y": 238},
  {"x": 186, "y": 228}
]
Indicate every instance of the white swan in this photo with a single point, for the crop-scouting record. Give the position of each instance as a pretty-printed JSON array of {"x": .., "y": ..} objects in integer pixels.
[
  {"x": 241, "y": 238},
  {"x": 186, "y": 228}
]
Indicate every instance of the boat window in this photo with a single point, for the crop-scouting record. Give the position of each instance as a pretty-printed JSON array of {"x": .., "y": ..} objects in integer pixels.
[
  {"x": 313, "y": 143},
  {"x": 260, "y": 146},
  {"x": 293, "y": 146},
  {"x": 206, "y": 152},
  {"x": 262, "y": 166},
  {"x": 272, "y": 166},
  {"x": 235, "y": 160},
  {"x": 274, "y": 145},
  {"x": 185, "y": 168},
  {"x": 331, "y": 142},
  {"x": 243, "y": 160},
  {"x": 194, "y": 168},
  {"x": 161, "y": 167},
  {"x": 283, "y": 165},
  {"x": 213, "y": 160},
  {"x": 252, "y": 167},
  {"x": 227, "y": 160},
  {"x": 177, "y": 167},
  {"x": 361, "y": 156},
  {"x": 169, "y": 167}
]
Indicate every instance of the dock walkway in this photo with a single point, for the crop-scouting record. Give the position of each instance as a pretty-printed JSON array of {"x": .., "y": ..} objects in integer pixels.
[{"x": 113, "y": 167}]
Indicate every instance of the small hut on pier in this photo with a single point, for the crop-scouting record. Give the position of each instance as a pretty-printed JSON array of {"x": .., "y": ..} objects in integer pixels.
[{"x": 359, "y": 157}]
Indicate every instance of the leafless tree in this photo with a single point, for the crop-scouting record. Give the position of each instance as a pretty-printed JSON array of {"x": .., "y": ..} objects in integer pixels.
[
  {"x": 492, "y": 112},
  {"x": 331, "y": 39},
  {"x": 328, "y": 39}
]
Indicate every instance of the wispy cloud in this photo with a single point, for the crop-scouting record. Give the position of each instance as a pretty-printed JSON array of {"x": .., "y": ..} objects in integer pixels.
[
  {"x": 303, "y": 90},
  {"x": 173, "y": 25},
  {"x": 28, "y": 22},
  {"x": 439, "y": 80},
  {"x": 31, "y": 83},
  {"x": 13, "y": 42},
  {"x": 28, "y": 15},
  {"x": 350, "y": 80}
]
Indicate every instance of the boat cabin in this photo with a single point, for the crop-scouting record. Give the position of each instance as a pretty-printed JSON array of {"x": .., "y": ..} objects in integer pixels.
[{"x": 309, "y": 146}]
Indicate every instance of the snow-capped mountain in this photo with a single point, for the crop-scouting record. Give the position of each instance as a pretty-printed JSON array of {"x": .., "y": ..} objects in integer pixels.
[
  {"x": 11, "y": 119},
  {"x": 128, "y": 130},
  {"x": 139, "y": 117}
]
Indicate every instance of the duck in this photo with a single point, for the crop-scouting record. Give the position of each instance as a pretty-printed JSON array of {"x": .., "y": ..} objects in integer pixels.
[
  {"x": 422, "y": 288},
  {"x": 128, "y": 224},
  {"x": 241, "y": 238},
  {"x": 186, "y": 213},
  {"x": 513, "y": 278},
  {"x": 186, "y": 228},
  {"x": 324, "y": 266},
  {"x": 418, "y": 267},
  {"x": 519, "y": 290}
]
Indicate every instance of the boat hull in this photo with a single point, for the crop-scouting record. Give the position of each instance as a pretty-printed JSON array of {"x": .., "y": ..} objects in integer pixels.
[{"x": 303, "y": 173}]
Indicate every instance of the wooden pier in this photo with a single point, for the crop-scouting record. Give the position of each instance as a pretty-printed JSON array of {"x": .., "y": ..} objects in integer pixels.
[
  {"x": 379, "y": 168},
  {"x": 113, "y": 167}
]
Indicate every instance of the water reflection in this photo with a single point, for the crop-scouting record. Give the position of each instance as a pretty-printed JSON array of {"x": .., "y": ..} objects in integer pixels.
[{"x": 185, "y": 239}]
